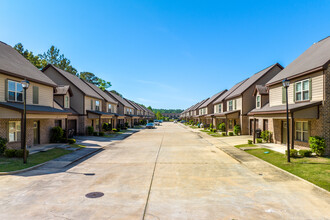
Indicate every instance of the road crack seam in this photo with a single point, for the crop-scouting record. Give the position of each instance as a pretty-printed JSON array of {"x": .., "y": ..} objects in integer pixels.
[{"x": 152, "y": 177}]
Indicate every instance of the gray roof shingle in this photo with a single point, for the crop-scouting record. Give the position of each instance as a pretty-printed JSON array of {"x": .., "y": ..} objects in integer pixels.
[
  {"x": 266, "y": 109},
  {"x": 232, "y": 89},
  {"x": 120, "y": 99},
  {"x": 214, "y": 97},
  {"x": 249, "y": 82},
  {"x": 13, "y": 63},
  {"x": 104, "y": 95},
  {"x": 75, "y": 80},
  {"x": 313, "y": 58}
]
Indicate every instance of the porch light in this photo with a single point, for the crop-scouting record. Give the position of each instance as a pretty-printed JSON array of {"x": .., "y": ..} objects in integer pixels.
[
  {"x": 25, "y": 84},
  {"x": 286, "y": 83}
]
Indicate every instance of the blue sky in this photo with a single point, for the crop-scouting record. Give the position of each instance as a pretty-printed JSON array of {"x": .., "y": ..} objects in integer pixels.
[{"x": 168, "y": 54}]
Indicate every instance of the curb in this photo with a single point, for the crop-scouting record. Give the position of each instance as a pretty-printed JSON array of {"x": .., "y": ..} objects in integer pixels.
[
  {"x": 86, "y": 155},
  {"x": 24, "y": 170}
]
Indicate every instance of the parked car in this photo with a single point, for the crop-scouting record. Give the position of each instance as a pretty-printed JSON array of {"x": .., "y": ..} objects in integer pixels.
[
  {"x": 175, "y": 121},
  {"x": 156, "y": 123},
  {"x": 160, "y": 121},
  {"x": 150, "y": 126}
]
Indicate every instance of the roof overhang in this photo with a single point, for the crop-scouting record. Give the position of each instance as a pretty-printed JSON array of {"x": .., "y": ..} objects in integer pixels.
[{"x": 34, "y": 109}]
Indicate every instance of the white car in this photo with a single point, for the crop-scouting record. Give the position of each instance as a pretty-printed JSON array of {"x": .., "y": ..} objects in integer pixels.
[{"x": 156, "y": 123}]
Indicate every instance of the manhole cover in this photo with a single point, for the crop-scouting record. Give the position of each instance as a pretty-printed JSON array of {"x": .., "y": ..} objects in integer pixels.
[
  {"x": 93, "y": 195},
  {"x": 89, "y": 174}
]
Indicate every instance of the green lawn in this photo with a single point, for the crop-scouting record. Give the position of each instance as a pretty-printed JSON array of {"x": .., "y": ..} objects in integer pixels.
[
  {"x": 77, "y": 145},
  {"x": 112, "y": 135},
  {"x": 193, "y": 127},
  {"x": 313, "y": 169},
  {"x": 246, "y": 145},
  {"x": 12, "y": 164}
]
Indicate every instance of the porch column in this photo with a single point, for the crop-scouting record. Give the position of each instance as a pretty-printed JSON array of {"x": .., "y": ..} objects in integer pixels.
[
  {"x": 100, "y": 128},
  {"x": 254, "y": 130},
  {"x": 226, "y": 122},
  {"x": 292, "y": 131},
  {"x": 66, "y": 128}
]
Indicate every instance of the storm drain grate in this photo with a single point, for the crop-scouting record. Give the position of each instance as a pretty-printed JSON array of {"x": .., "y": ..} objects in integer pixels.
[{"x": 94, "y": 195}]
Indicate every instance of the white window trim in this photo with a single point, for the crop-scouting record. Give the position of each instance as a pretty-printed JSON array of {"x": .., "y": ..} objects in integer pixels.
[
  {"x": 301, "y": 131},
  {"x": 302, "y": 90},
  {"x": 258, "y": 102},
  {"x": 97, "y": 105},
  {"x": 109, "y": 108},
  {"x": 230, "y": 104},
  {"x": 15, "y": 92},
  {"x": 66, "y": 102},
  {"x": 15, "y": 132}
]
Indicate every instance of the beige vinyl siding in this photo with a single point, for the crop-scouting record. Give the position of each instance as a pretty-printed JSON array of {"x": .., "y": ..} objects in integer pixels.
[
  {"x": 113, "y": 107},
  {"x": 275, "y": 92},
  {"x": 216, "y": 108},
  {"x": 7, "y": 113},
  {"x": 45, "y": 92},
  {"x": 88, "y": 103},
  {"x": 238, "y": 104}
]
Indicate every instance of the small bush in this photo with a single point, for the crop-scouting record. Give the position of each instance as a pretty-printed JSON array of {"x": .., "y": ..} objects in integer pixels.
[
  {"x": 106, "y": 127},
  {"x": 293, "y": 153},
  {"x": 56, "y": 134},
  {"x": 10, "y": 153},
  {"x": 101, "y": 133},
  {"x": 223, "y": 134},
  {"x": 126, "y": 124},
  {"x": 3, "y": 145},
  {"x": 95, "y": 133},
  {"x": 211, "y": 126},
  {"x": 259, "y": 140},
  {"x": 317, "y": 144},
  {"x": 222, "y": 127},
  {"x": 230, "y": 133},
  {"x": 20, "y": 153},
  {"x": 250, "y": 141},
  {"x": 305, "y": 153},
  {"x": 237, "y": 129},
  {"x": 90, "y": 130},
  {"x": 265, "y": 135},
  {"x": 114, "y": 130},
  {"x": 71, "y": 141}
]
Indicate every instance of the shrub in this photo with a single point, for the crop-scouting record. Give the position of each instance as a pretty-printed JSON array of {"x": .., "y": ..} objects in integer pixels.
[
  {"x": 230, "y": 133},
  {"x": 114, "y": 130},
  {"x": 56, "y": 134},
  {"x": 250, "y": 141},
  {"x": 90, "y": 130},
  {"x": 10, "y": 153},
  {"x": 3, "y": 143},
  {"x": 95, "y": 133},
  {"x": 265, "y": 135},
  {"x": 223, "y": 134},
  {"x": 71, "y": 141},
  {"x": 293, "y": 153},
  {"x": 317, "y": 144},
  {"x": 305, "y": 153},
  {"x": 237, "y": 129},
  {"x": 101, "y": 133},
  {"x": 211, "y": 126},
  {"x": 105, "y": 126},
  {"x": 222, "y": 127},
  {"x": 20, "y": 153},
  {"x": 126, "y": 124},
  {"x": 259, "y": 140}
]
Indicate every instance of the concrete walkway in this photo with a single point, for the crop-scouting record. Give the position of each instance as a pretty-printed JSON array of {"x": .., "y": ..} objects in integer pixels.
[{"x": 164, "y": 173}]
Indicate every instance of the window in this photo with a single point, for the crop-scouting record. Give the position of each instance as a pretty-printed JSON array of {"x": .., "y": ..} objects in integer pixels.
[
  {"x": 66, "y": 102},
  {"x": 302, "y": 131},
  {"x": 258, "y": 101},
  {"x": 220, "y": 108},
  {"x": 230, "y": 105},
  {"x": 15, "y": 91},
  {"x": 109, "y": 108},
  {"x": 230, "y": 124},
  {"x": 35, "y": 95},
  {"x": 302, "y": 90},
  {"x": 97, "y": 105},
  {"x": 14, "y": 131}
]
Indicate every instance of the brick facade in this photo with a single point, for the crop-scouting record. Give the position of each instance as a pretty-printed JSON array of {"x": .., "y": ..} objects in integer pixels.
[{"x": 326, "y": 110}]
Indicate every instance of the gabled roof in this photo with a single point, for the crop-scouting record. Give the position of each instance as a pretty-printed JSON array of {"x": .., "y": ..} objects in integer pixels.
[
  {"x": 99, "y": 91},
  {"x": 132, "y": 104},
  {"x": 137, "y": 106},
  {"x": 120, "y": 99},
  {"x": 232, "y": 89},
  {"x": 261, "y": 89},
  {"x": 14, "y": 64},
  {"x": 62, "y": 90},
  {"x": 199, "y": 104},
  {"x": 250, "y": 81},
  {"x": 214, "y": 97},
  {"x": 75, "y": 80},
  {"x": 313, "y": 59}
]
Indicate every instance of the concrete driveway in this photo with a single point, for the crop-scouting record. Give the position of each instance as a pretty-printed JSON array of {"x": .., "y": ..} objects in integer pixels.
[{"x": 165, "y": 173}]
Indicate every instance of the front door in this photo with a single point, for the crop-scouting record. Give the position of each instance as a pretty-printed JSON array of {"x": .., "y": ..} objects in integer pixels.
[
  {"x": 36, "y": 133},
  {"x": 284, "y": 137}
]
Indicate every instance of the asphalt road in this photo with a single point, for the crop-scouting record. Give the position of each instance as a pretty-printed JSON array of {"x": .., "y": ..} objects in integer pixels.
[{"x": 165, "y": 173}]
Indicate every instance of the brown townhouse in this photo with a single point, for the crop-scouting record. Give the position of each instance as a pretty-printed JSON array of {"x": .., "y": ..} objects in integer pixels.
[
  {"x": 206, "y": 110},
  {"x": 136, "y": 112},
  {"x": 82, "y": 102},
  {"x": 194, "y": 111},
  {"x": 241, "y": 100},
  {"x": 108, "y": 112},
  {"x": 124, "y": 110},
  {"x": 308, "y": 98},
  {"x": 42, "y": 112}
]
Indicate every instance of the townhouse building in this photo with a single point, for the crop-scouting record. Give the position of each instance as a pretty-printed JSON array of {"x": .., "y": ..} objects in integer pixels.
[
  {"x": 43, "y": 113},
  {"x": 308, "y": 99},
  {"x": 83, "y": 101}
]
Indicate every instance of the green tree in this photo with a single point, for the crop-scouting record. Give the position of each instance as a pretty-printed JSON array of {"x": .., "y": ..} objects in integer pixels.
[
  {"x": 117, "y": 93},
  {"x": 159, "y": 115},
  {"x": 89, "y": 77},
  {"x": 53, "y": 56},
  {"x": 150, "y": 108},
  {"x": 35, "y": 60},
  {"x": 102, "y": 84}
]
